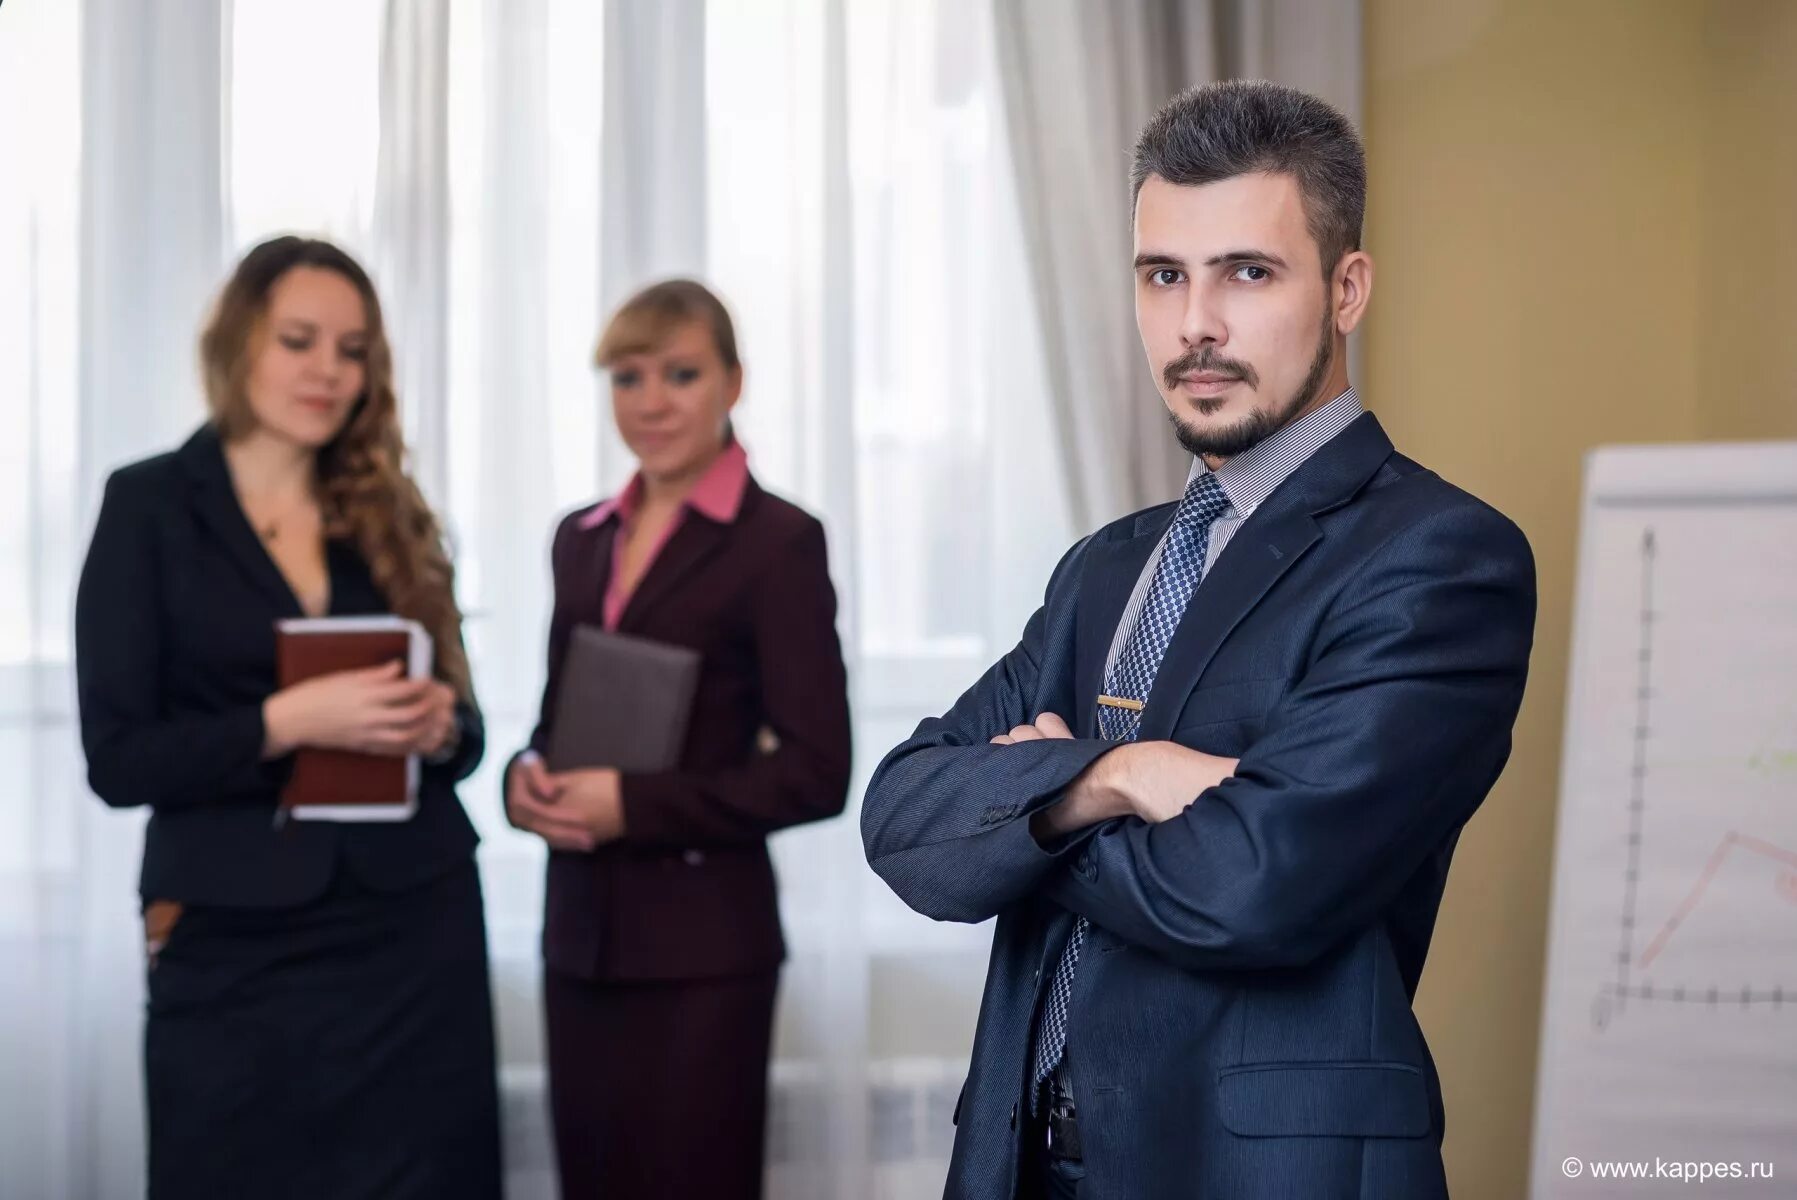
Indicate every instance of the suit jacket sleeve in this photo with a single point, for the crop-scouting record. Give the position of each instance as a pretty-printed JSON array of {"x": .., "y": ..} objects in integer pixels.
[
  {"x": 946, "y": 818},
  {"x": 471, "y": 745},
  {"x": 561, "y": 626},
  {"x": 804, "y": 701},
  {"x": 1379, "y": 753},
  {"x": 137, "y": 751}
]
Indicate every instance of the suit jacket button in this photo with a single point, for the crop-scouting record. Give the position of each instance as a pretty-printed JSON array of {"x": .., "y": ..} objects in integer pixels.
[{"x": 1013, "y": 1116}]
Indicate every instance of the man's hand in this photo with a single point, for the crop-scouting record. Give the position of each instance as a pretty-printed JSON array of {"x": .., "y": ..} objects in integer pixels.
[
  {"x": 1047, "y": 726},
  {"x": 1150, "y": 780},
  {"x": 1158, "y": 780},
  {"x": 1079, "y": 807}
]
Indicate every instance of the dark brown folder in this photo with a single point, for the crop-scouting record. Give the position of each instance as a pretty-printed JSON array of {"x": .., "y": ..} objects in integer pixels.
[
  {"x": 341, "y": 785},
  {"x": 624, "y": 702}
]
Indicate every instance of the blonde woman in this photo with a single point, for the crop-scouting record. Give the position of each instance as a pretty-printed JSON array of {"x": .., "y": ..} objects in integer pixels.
[
  {"x": 661, "y": 942},
  {"x": 319, "y": 1022}
]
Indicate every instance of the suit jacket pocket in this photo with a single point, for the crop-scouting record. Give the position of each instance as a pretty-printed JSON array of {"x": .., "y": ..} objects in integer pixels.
[
  {"x": 1324, "y": 1099},
  {"x": 1237, "y": 700},
  {"x": 160, "y": 919}
]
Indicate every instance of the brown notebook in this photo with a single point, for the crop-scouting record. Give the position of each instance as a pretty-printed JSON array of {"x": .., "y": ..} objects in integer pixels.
[
  {"x": 341, "y": 785},
  {"x": 624, "y": 702}
]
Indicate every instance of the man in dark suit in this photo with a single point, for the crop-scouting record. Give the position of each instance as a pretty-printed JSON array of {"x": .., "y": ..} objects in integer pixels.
[{"x": 1212, "y": 794}]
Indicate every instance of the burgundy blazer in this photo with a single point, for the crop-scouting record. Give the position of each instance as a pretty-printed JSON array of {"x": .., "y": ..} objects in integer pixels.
[{"x": 689, "y": 892}]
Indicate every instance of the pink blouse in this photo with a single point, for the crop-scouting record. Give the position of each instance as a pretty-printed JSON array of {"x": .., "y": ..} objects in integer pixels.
[{"x": 718, "y": 495}]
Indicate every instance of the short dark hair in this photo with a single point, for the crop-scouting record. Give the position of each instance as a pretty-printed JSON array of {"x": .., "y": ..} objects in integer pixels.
[{"x": 1238, "y": 127}]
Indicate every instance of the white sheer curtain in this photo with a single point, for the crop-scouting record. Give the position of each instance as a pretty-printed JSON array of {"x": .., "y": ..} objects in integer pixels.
[
  {"x": 410, "y": 227},
  {"x": 110, "y": 240},
  {"x": 837, "y": 168},
  {"x": 652, "y": 148},
  {"x": 41, "y": 898}
]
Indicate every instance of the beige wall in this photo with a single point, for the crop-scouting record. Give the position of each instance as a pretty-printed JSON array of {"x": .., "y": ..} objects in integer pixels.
[
  {"x": 1749, "y": 297},
  {"x": 1582, "y": 217}
]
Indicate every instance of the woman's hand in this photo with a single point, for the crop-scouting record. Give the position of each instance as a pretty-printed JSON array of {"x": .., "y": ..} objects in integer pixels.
[
  {"x": 440, "y": 728},
  {"x": 532, "y": 798},
  {"x": 595, "y": 798},
  {"x": 369, "y": 711}
]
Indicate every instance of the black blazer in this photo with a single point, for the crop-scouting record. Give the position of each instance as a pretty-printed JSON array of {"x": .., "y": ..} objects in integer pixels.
[
  {"x": 174, "y": 655},
  {"x": 689, "y": 892}
]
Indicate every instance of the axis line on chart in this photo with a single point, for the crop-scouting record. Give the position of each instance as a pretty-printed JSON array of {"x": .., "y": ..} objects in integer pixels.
[{"x": 1638, "y": 775}]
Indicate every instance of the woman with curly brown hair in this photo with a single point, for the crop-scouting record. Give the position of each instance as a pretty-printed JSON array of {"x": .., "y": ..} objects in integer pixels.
[{"x": 319, "y": 1021}]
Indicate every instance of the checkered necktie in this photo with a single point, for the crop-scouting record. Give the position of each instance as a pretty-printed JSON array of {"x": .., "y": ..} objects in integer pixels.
[{"x": 1131, "y": 677}]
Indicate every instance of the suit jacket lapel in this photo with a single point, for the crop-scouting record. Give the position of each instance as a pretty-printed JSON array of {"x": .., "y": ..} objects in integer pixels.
[
  {"x": 695, "y": 541},
  {"x": 1268, "y": 545},
  {"x": 1111, "y": 570},
  {"x": 1240, "y": 577},
  {"x": 203, "y": 459}
]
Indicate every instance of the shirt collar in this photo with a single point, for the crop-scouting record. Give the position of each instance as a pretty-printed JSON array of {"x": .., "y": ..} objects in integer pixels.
[
  {"x": 1250, "y": 477},
  {"x": 717, "y": 495}
]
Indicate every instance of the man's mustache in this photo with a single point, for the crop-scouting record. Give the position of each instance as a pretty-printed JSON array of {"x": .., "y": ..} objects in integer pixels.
[{"x": 1207, "y": 359}]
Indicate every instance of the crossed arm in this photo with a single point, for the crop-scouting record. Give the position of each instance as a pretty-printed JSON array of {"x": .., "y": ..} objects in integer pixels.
[
  {"x": 961, "y": 823},
  {"x": 1380, "y": 750},
  {"x": 1150, "y": 780}
]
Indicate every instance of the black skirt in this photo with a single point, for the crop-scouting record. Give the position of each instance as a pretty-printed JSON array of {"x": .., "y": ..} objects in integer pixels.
[{"x": 342, "y": 1049}]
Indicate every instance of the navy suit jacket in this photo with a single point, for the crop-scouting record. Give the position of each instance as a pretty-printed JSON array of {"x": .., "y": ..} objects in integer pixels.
[{"x": 1241, "y": 1022}]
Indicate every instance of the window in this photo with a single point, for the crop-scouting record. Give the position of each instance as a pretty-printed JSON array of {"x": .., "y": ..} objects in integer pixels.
[{"x": 40, "y": 209}]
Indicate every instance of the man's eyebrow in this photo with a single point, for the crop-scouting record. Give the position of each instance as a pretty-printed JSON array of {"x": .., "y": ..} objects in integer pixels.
[
  {"x": 1234, "y": 257},
  {"x": 1155, "y": 258}
]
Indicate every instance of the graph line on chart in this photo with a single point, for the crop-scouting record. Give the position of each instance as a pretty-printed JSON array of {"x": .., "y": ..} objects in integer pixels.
[
  {"x": 1614, "y": 996},
  {"x": 1724, "y": 849}
]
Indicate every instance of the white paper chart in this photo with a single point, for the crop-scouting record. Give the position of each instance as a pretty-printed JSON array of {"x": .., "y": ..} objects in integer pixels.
[{"x": 1670, "y": 1021}]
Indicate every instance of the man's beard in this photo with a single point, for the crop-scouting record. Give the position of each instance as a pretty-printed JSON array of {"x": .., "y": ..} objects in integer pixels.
[{"x": 1261, "y": 424}]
